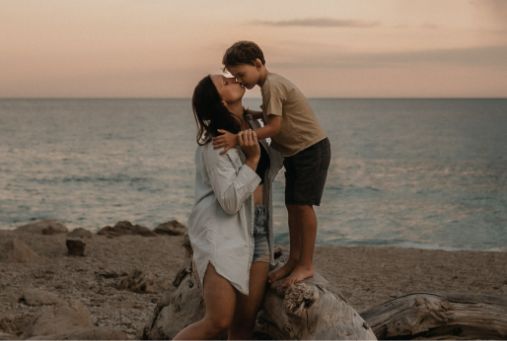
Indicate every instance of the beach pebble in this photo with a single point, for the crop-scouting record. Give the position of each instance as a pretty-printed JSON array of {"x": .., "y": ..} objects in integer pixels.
[{"x": 47, "y": 227}]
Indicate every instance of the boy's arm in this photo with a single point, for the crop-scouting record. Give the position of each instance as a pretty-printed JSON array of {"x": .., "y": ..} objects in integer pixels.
[
  {"x": 228, "y": 140},
  {"x": 256, "y": 115},
  {"x": 271, "y": 127}
]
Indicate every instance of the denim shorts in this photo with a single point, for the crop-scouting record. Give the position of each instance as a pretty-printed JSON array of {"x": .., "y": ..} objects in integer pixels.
[{"x": 261, "y": 248}]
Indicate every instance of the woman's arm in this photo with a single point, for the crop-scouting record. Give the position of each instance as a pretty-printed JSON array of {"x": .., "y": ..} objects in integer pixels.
[{"x": 231, "y": 189}]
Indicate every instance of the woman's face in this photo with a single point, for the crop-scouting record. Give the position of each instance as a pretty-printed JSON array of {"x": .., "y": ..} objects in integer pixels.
[{"x": 228, "y": 88}]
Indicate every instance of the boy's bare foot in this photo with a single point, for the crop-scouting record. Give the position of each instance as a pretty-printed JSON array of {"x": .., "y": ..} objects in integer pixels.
[
  {"x": 299, "y": 274},
  {"x": 281, "y": 272}
]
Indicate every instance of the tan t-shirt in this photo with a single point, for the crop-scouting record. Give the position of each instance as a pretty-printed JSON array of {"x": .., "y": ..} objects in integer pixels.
[{"x": 300, "y": 128}]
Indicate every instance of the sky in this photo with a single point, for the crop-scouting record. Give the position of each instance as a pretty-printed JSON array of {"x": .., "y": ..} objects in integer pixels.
[{"x": 340, "y": 48}]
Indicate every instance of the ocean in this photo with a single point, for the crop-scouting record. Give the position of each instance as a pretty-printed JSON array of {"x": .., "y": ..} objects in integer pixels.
[{"x": 421, "y": 173}]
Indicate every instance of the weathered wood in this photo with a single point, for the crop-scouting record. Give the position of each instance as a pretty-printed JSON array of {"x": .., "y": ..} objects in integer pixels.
[
  {"x": 440, "y": 316},
  {"x": 306, "y": 310},
  {"x": 309, "y": 311},
  {"x": 177, "y": 309}
]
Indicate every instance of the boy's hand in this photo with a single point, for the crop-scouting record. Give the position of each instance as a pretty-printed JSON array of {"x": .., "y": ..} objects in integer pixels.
[{"x": 226, "y": 141}]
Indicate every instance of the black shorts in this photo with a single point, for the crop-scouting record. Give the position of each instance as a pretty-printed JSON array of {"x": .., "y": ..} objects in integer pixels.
[{"x": 305, "y": 174}]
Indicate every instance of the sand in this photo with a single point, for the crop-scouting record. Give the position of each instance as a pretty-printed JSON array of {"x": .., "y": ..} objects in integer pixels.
[{"x": 365, "y": 276}]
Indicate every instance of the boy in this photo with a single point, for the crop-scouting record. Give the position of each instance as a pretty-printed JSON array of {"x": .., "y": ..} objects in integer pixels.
[{"x": 295, "y": 132}]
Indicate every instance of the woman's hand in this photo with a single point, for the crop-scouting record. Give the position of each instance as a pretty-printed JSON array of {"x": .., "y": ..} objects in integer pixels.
[{"x": 248, "y": 142}]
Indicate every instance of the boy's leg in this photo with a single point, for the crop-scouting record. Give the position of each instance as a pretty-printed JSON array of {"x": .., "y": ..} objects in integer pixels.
[
  {"x": 294, "y": 248},
  {"x": 306, "y": 232},
  {"x": 220, "y": 302},
  {"x": 305, "y": 175}
]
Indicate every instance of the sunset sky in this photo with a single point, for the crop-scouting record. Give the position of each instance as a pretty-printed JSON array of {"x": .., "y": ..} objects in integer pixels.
[{"x": 340, "y": 48}]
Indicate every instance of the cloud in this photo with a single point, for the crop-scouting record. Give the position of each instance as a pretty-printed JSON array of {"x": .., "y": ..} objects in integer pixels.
[
  {"x": 489, "y": 56},
  {"x": 496, "y": 9},
  {"x": 318, "y": 22}
]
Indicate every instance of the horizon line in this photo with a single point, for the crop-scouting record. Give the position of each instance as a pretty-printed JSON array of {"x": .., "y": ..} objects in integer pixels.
[{"x": 256, "y": 98}]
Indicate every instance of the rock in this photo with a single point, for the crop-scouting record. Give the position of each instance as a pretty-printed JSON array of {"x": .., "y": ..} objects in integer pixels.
[
  {"x": 11, "y": 326},
  {"x": 18, "y": 251},
  {"x": 125, "y": 228},
  {"x": 94, "y": 333},
  {"x": 172, "y": 228},
  {"x": 52, "y": 320},
  {"x": 109, "y": 274},
  {"x": 5, "y": 336},
  {"x": 43, "y": 226},
  {"x": 80, "y": 233},
  {"x": 38, "y": 297},
  {"x": 138, "y": 282},
  {"x": 75, "y": 247}
]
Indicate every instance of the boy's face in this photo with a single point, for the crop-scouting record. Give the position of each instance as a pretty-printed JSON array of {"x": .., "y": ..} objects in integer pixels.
[{"x": 248, "y": 75}]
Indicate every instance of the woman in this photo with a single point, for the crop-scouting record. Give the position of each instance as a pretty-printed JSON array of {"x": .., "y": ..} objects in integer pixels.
[{"x": 231, "y": 238}]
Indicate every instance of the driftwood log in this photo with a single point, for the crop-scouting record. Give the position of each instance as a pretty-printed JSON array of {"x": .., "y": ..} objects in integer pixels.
[
  {"x": 440, "y": 316},
  {"x": 306, "y": 310}
]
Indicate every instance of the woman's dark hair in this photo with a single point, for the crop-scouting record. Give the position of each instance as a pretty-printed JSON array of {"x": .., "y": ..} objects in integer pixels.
[
  {"x": 210, "y": 113},
  {"x": 243, "y": 52}
]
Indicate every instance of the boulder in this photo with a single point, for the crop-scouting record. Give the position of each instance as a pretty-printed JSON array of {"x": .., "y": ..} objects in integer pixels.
[
  {"x": 80, "y": 233},
  {"x": 16, "y": 250},
  {"x": 172, "y": 228},
  {"x": 47, "y": 227},
  {"x": 125, "y": 228}
]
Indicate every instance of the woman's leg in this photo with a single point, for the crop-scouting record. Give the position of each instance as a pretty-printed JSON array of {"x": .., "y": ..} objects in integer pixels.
[
  {"x": 220, "y": 302},
  {"x": 248, "y": 306}
]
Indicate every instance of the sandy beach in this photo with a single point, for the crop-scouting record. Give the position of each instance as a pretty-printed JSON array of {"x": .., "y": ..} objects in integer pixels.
[{"x": 111, "y": 295}]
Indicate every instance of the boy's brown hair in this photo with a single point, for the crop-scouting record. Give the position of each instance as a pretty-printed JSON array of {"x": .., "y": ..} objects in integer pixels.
[{"x": 243, "y": 52}]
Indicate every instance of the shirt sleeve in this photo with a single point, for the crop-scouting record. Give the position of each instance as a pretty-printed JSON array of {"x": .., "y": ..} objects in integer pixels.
[
  {"x": 231, "y": 188},
  {"x": 273, "y": 98}
]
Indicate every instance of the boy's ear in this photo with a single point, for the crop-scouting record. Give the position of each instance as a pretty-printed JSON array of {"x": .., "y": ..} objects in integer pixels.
[{"x": 258, "y": 63}]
